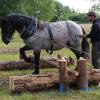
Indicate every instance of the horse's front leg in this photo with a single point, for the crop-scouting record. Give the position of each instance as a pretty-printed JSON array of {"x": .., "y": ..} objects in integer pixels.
[
  {"x": 37, "y": 59},
  {"x": 23, "y": 55}
]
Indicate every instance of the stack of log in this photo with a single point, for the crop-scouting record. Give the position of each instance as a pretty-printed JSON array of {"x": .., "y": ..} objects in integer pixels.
[{"x": 42, "y": 82}]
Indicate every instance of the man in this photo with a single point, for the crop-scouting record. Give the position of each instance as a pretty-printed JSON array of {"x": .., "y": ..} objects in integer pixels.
[{"x": 94, "y": 35}]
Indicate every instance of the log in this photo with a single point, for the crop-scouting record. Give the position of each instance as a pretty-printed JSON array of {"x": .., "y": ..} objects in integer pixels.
[
  {"x": 21, "y": 64},
  {"x": 82, "y": 79},
  {"x": 11, "y": 65},
  {"x": 32, "y": 82},
  {"x": 63, "y": 75},
  {"x": 45, "y": 82}
]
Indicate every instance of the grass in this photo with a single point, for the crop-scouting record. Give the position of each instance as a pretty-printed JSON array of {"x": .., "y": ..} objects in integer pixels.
[
  {"x": 72, "y": 94},
  {"x": 52, "y": 95}
]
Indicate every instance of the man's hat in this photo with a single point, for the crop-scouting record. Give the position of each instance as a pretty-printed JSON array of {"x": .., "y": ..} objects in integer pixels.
[{"x": 91, "y": 13}]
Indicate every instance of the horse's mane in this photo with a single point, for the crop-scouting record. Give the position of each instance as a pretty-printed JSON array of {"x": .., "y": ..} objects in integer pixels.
[{"x": 20, "y": 18}]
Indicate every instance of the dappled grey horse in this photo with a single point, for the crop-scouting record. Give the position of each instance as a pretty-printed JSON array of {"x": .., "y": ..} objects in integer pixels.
[{"x": 39, "y": 35}]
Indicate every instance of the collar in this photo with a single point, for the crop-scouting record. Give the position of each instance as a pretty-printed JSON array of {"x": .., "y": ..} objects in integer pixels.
[
  {"x": 30, "y": 30},
  {"x": 96, "y": 20}
]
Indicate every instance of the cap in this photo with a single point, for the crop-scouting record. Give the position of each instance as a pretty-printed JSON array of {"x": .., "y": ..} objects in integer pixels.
[{"x": 91, "y": 13}]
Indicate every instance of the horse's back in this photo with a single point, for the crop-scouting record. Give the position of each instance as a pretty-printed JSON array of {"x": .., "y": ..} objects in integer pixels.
[
  {"x": 59, "y": 31},
  {"x": 74, "y": 28}
]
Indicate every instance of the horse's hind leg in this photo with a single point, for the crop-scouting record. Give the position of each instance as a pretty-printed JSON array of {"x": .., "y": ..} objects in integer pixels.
[
  {"x": 37, "y": 58},
  {"x": 77, "y": 54}
]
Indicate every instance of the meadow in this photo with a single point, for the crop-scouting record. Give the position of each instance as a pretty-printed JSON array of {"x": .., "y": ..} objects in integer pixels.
[{"x": 10, "y": 52}]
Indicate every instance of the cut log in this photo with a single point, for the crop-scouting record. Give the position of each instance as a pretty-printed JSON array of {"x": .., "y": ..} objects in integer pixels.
[
  {"x": 82, "y": 79},
  {"x": 44, "y": 82},
  {"x": 32, "y": 82},
  {"x": 11, "y": 65},
  {"x": 21, "y": 64},
  {"x": 63, "y": 75}
]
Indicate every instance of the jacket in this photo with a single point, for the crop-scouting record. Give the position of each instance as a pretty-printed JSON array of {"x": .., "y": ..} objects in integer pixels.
[{"x": 95, "y": 31}]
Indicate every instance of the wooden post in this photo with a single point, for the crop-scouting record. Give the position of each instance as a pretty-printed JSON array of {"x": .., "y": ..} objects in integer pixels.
[
  {"x": 63, "y": 75},
  {"x": 82, "y": 79}
]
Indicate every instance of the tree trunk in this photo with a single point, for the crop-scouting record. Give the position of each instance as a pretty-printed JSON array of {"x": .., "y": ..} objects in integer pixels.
[
  {"x": 32, "y": 82},
  {"x": 82, "y": 80},
  {"x": 63, "y": 75},
  {"x": 44, "y": 82},
  {"x": 21, "y": 64}
]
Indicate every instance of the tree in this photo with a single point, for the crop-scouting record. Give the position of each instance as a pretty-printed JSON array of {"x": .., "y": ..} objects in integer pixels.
[
  {"x": 7, "y": 7},
  {"x": 62, "y": 12},
  {"x": 28, "y": 7},
  {"x": 96, "y": 6},
  {"x": 79, "y": 18}
]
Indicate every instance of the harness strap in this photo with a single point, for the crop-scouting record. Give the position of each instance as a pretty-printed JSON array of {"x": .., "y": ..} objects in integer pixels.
[
  {"x": 68, "y": 31},
  {"x": 51, "y": 39}
]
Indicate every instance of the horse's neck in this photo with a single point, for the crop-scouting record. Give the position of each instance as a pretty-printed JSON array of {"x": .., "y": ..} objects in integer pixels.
[{"x": 19, "y": 27}]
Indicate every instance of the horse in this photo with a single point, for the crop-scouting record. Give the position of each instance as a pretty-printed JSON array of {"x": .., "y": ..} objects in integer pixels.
[{"x": 50, "y": 36}]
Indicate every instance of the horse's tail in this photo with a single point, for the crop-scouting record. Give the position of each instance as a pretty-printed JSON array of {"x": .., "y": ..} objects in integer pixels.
[{"x": 85, "y": 46}]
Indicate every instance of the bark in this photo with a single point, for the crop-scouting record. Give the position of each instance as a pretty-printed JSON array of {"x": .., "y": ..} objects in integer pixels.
[
  {"x": 44, "y": 82},
  {"x": 82, "y": 80},
  {"x": 63, "y": 74},
  {"x": 21, "y": 64}
]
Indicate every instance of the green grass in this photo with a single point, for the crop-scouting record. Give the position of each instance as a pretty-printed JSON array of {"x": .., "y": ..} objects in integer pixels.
[
  {"x": 72, "y": 94},
  {"x": 53, "y": 95}
]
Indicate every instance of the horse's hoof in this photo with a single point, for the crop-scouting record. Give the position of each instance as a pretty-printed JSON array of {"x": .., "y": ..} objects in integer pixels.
[{"x": 35, "y": 73}]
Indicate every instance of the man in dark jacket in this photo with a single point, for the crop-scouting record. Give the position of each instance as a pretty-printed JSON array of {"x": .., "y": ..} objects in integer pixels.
[{"x": 94, "y": 35}]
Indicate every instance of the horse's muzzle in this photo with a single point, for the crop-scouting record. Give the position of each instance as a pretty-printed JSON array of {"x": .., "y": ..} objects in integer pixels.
[{"x": 6, "y": 41}]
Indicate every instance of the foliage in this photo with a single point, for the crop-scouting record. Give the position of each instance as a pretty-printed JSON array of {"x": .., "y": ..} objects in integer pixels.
[
  {"x": 66, "y": 13},
  {"x": 50, "y": 10},
  {"x": 46, "y": 8},
  {"x": 28, "y": 7},
  {"x": 62, "y": 12},
  {"x": 81, "y": 17},
  {"x": 7, "y": 7},
  {"x": 96, "y": 8}
]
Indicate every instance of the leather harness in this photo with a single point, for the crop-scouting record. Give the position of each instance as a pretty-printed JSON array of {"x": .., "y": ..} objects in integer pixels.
[
  {"x": 26, "y": 33},
  {"x": 51, "y": 39}
]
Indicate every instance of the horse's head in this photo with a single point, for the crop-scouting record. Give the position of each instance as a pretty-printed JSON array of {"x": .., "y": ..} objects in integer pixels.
[{"x": 6, "y": 30}]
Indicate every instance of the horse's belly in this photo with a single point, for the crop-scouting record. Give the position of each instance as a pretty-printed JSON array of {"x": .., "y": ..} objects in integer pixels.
[{"x": 56, "y": 45}]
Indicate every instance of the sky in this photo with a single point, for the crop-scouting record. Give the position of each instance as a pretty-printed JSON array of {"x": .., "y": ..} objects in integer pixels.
[{"x": 81, "y": 5}]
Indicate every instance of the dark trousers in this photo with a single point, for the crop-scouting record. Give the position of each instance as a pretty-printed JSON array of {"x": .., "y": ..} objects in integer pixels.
[{"x": 96, "y": 55}]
